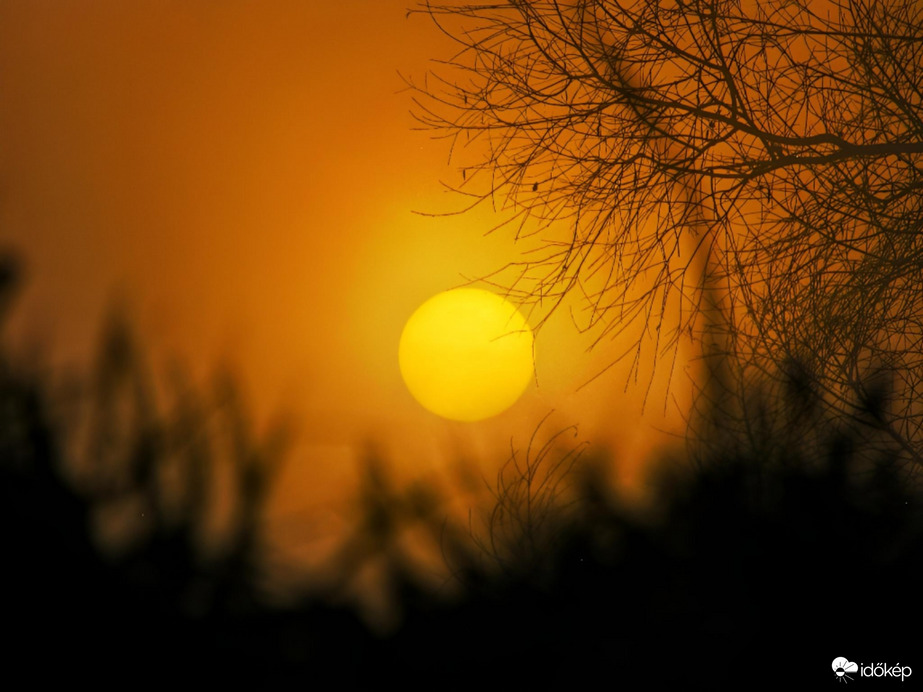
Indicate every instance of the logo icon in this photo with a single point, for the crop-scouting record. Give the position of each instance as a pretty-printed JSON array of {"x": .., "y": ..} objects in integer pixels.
[{"x": 842, "y": 667}]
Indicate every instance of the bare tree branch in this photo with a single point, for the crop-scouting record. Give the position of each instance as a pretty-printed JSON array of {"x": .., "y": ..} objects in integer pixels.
[{"x": 758, "y": 162}]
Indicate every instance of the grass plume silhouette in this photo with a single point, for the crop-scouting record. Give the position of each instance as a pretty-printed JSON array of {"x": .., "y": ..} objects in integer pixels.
[{"x": 765, "y": 554}]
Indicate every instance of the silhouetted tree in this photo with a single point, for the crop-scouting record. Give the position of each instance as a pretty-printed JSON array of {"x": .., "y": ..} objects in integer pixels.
[{"x": 753, "y": 168}]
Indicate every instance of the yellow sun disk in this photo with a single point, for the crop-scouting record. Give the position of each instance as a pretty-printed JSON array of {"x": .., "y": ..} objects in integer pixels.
[{"x": 466, "y": 354}]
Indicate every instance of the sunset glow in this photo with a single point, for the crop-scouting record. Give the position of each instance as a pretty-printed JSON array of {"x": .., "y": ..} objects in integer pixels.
[
  {"x": 434, "y": 343},
  {"x": 466, "y": 354}
]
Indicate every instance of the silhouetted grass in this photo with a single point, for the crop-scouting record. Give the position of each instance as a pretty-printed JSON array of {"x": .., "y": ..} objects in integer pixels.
[{"x": 762, "y": 559}]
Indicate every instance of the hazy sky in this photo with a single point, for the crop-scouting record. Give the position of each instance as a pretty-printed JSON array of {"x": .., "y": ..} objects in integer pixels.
[{"x": 243, "y": 175}]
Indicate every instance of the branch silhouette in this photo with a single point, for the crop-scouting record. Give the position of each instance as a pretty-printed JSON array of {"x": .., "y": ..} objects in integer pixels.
[{"x": 749, "y": 168}]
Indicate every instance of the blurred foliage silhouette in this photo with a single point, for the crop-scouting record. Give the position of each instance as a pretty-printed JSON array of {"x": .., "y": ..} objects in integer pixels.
[{"x": 780, "y": 540}]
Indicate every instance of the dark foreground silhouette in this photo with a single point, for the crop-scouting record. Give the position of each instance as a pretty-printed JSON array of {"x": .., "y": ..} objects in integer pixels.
[{"x": 758, "y": 567}]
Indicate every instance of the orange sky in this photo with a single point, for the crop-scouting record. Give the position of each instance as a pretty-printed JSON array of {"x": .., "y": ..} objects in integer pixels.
[{"x": 244, "y": 175}]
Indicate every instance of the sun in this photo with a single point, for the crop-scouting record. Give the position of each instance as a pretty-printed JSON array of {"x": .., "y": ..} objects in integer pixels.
[{"x": 466, "y": 354}]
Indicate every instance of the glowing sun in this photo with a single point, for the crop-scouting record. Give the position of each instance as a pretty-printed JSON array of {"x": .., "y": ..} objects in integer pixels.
[{"x": 466, "y": 354}]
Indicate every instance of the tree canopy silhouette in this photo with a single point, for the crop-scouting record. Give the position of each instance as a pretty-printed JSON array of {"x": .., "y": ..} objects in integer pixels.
[{"x": 745, "y": 171}]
